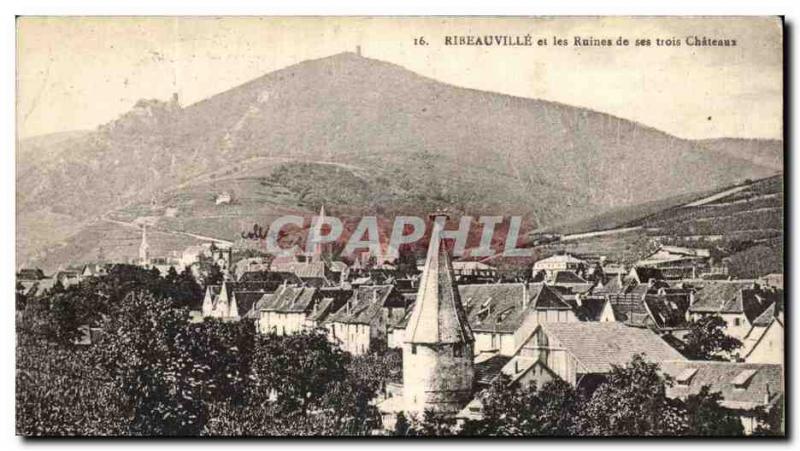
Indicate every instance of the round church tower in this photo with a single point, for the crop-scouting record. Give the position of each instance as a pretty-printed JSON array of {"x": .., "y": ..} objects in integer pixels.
[{"x": 438, "y": 350}]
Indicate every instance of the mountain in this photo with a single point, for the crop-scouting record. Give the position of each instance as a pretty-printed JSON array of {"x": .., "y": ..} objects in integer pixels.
[
  {"x": 359, "y": 135},
  {"x": 763, "y": 152}
]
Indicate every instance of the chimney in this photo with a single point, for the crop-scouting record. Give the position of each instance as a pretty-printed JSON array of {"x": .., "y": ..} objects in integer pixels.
[{"x": 358, "y": 50}]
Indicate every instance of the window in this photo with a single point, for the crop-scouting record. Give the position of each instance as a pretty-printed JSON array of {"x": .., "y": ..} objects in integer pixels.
[
  {"x": 737, "y": 321},
  {"x": 413, "y": 349},
  {"x": 458, "y": 350},
  {"x": 743, "y": 378}
]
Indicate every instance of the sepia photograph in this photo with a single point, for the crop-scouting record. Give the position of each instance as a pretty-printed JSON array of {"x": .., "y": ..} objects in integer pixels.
[{"x": 399, "y": 227}]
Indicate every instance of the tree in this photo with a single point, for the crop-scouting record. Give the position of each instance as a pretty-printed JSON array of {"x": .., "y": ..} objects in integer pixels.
[
  {"x": 708, "y": 418},
  {"x": 771, "y": 419},
  {"x": 513, "y": 410},
  {"x": 633, "y": 402},
  {"x": 295, "y": 370},
  {"x": 298, "y": 385},
  {"x": 433, "y": 425},
  {"x": 707, "y": 340},
  {"x": 214, "y": 275},
  {"x": 161, "y": 387},
  {"x": 401, "y": 426},
  {"x": 21, "y": 297}
]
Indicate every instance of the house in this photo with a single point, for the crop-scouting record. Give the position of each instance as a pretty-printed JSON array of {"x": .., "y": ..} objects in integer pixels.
[
  {"x": 33, "y": 280},
  {"x": 738, "y": 303},
  {"x": 223, "y": 198},
  {"x": 494, "y": 313},
  {"x": 273, "y": 279},
  {"x": 312, "y": 273},
  {"x": 68, "y": 277},
  {"x": 588, "y": 307},
  {"x": 547, "y": 306},
  {"x": 644, "y": 299},
  {"x": 396, "y": 333},
  {"x": 524, "y": 372},
  {"x": 774, "y": 280},
  {"x": 232, "y": 300},
  {"x": 191, "y": 255},
  {"x": 764, "y": 342},
  {"x": 557, "y": 263},
  {"x": 677, "y": 262},
  {"x": 473, "y": 272},
  {"x": 569, "y": 279},
  {"x": 294, "y": 309},
  {"x": 364, "y": 321},
  {"x": 575, "y": 351},
  {"x": 94, "y": 270},
  {"x": 30, "y": 274},
  {"x": 744, "y": 387},
  {"x": 641, "y": 275}
]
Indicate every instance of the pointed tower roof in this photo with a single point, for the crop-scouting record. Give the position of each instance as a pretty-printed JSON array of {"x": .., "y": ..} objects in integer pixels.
[
  {"x": 438, "y": 316},
  {"x": 143, "y": 247}
]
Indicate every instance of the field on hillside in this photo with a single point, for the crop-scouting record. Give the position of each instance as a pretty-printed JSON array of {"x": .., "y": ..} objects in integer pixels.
[{"x": 110, "y": 241}]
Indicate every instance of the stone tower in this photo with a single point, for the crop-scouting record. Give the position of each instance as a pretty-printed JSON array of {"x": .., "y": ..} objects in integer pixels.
[
  {"x": 438, "y": 350},
  {"x": 144, "y": 247}
]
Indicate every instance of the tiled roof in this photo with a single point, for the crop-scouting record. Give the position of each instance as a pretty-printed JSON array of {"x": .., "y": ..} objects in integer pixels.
[
  {"x": 303, "y": 270},
  {"x": 255, "y": 312},
  {"x": 365, "y": 305},
  {"x": 613, "y": 286},
  {"x": 30, "y": 274},
  {"x": 726, "y": 297},
  {"x": 590, "y": 308},
  {"x": 494, "y": 307},
  {"x": 292, "y": 299},
  {"x": 548, "y": 299},
  {"x": 488, "y": 369},
  {"x": 644, "y": 274},
  {"x": 566, "y": 258},
  {"x": 568, "y": 277},
  {"x": 276, "y": 277},
  {"x": 245, "y": 300},
  {"x": 768, "y": 315},
  {"x": 669, "y": 309},
  {"x": 742, "y": 385},
  {"x": 597, "y": 346},
  {"x": 711, "y": 296}
]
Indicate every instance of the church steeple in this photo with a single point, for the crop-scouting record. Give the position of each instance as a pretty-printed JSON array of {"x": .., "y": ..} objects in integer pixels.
[
  {"x": 144, "y": 247},
  {"x": 316, "y": 254}
]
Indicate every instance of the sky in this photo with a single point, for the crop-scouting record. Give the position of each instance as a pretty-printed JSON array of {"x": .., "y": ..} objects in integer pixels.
[{"x": 75, "y": 73}]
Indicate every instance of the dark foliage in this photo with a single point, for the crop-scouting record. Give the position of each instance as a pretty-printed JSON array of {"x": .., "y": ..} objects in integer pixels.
[{"x": 707, "y": 340}]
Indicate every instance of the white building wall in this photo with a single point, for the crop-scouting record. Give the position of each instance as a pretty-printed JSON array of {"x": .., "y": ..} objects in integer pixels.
[
  {"x": 494, "y": 341},
  {"x": 769, "y": 348}
]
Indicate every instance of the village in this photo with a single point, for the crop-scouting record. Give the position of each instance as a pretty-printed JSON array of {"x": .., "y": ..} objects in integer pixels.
[{"x": 460, "y": 326}]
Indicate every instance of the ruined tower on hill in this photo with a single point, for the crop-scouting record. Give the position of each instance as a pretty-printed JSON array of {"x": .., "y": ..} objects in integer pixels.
[{"x": 438, "y": 350}]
